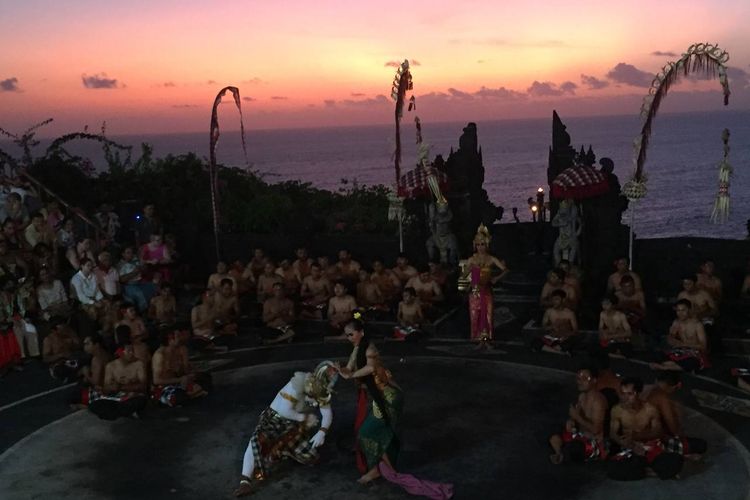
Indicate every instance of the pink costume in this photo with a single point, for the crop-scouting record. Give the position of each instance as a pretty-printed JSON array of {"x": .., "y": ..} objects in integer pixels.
[
  {"x": 157, "y": 254},
  {"x": 480, "y": 303}
]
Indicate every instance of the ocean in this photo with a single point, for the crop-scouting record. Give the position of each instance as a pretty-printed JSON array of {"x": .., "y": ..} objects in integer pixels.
[{"x": 682, "y": 163}]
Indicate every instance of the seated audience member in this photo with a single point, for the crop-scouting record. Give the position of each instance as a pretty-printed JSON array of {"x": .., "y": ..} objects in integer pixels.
[
  {"x": 202, "y": 317},
  {"x": 92, "y": 375},
  {"x": 409, "y": 316},
  {"x": 438, "y": 273},
  {"x": 635, "y": 431},
  {"x": 243, "y": 278},
  {"x": 561, "y": 326},
  {"x": 403, "y": 270},
  {"x": 289, "y": 278},
  {"x": 556, "y": 281},
  {"x": 368, "y": 293},
  {"x": 428, "y": 291},
  {"x": 743, "y": 378},
  {"x": 387, "y": 281},
  {"x": 572, "y": 276},
  {"x": 278, "y": 316},
  {"x": 257, "y": 263},
  {"x": 302, "y": 264},
  {"x": 174, "y": 381},
  {"x": 86, "y": 291},
  {"x": 60, "y": 351},
  {"x": 81, "y": 250},
  {"x": 66, "y": 237},
  {"x": 55, "y": 217},
  {"x": 13, "y": 237},
  {"x": 347, "y": 267},
  {"x": 266, "y": 281},
  {"x": 108, "y": 280},
  {"x": 42, "y": 257},
  {"x": 315, "y": 293},
  {"x": 331, "y": 272},
  {"x": 134, "y": 289},
  {"x": 156, "y": 258},
  {"x": 621, "y": 270},
  {"x": 163, "y": 307},
  {"x": 125, "y": 384},
  {"x": 687, "y": 340},
  {"x": 615, "y": 336},
  {"x": 132, "y": 319},
  {"x": 10, "y": 351},
  {"x": 142, "y": 352},
  {"x": 582, "y": 439},
  {"x": 341, "y": 308},
  {"x": 222, "y": 273},
  {"x": 703, "y": 306},
  {"x": 607, "y": 382},
  {"x": 226, "y": 308},
  {"x": 706, "y": 280},
  {"x": 661, "y": 396},
  {"x": 632, "y": 302},
  {"x": 11, "y": 265},
  {"x": 38, "y": 231},
  {"x": 14, "y": 210}
]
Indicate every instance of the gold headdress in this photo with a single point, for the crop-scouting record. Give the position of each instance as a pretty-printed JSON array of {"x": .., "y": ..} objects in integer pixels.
[
  {"x": 482, "y": 236},
  {"x": 319, "y": 384}
]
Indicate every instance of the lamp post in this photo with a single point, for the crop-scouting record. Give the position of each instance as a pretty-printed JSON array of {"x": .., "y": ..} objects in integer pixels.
[
  {"x": 533, "y": 207},
  {"x": 540, "y": 204}
]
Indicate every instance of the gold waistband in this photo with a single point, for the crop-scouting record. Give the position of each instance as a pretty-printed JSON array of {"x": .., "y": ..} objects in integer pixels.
[{"x": 286, "y": 396}]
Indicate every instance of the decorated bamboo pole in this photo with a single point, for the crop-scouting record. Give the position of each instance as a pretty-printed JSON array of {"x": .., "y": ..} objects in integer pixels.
[
  {"x": 402, "y": 83},
  {"x": 720, "y": 212},
  {"x": 213, "y": 172},
  {"x": 702, "y": 58}
]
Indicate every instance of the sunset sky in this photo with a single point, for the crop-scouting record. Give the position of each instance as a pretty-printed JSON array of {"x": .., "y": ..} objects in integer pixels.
[{"x": 155, "y": 66}]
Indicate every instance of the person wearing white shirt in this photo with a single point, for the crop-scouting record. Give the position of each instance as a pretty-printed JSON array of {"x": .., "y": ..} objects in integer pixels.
[{"x": 86, "y": 290}]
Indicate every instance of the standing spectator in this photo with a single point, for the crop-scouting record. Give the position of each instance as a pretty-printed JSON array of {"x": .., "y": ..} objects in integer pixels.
[{"x": 147, "y": 225}]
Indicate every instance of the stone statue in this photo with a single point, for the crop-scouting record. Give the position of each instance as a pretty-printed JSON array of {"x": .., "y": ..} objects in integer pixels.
[
  {"x": 569, "y": 224},
  {"x": 442, "y": 241}
]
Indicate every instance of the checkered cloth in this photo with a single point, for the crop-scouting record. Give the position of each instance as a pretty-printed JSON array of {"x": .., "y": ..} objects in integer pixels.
[
  {"x": 414, "y": 182},
  {"x": 276, "y": 437},
  {"x": 579, "y": 182}
]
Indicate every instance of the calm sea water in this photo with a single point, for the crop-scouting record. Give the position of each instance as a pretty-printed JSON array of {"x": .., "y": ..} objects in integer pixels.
[{"x": 682, "y": 161}]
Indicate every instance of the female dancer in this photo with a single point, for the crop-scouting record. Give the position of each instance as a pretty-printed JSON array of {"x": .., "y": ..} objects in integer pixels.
[{"x": 480, "y": 296}]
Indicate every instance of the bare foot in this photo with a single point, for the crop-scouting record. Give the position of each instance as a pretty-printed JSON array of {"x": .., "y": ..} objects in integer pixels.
[
  {"x": 244, "y": 489},
  {"x": 369, "y": 477}
]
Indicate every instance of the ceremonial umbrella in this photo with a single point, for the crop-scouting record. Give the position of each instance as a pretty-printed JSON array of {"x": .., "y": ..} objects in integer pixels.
[
  {"x": 415, "y": 183},
  {"x": 579, "y": 182}
]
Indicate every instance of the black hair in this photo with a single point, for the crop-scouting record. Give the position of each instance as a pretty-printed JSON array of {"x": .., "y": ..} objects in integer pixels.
[
  {"x": 226, "y": 281},
  {"x": 559, "y": 293},
  {"x": 592, "y": 368},
  {"x": 95, "y": 338},
  {"x": 684, "y": 302},
  {"x": 411, "y": 290},
  {"x": 626, "y": 279},
  {"x": 369, "y": 380},
  {"x": 689, "y": 277},
  {"x": 636, "y": 382},
  {"x": 122, "y": 333},
  {"x": 669, "y": 377}
]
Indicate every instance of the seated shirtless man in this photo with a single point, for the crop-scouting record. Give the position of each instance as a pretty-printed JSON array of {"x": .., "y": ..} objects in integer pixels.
[
  {"x": 614, "y": 330},
  {"x": 340, "y": 309},
  {"x": 707, "y": 281},
  {"x": 635, "y": 431},
  {"x": 428, "y": 291},
  {"x": 124, "y": 386},
  {"x": 632, "y": 302},
  {"x": 621, "y": 270},
  {"x": 173, "y": 382},
  {"x": 561, "y": 326},
  {"x": 409, "y": 316},
  {"x": 687, "y": 340},
  {"x": 583, "y": 436},
  {"x": 556, "y": 281},
  {"x": 163, "y": 307},
  {"x": 315, "y": 292},
  {"x": 387, "y": 281},
  {"x": 369, "y": 297},
  {"x": 704, "y": 307},
  {"x": 278, "y": 316},
  {"x": 661, "y": 396},
  {"x": 226, "y": 306}
]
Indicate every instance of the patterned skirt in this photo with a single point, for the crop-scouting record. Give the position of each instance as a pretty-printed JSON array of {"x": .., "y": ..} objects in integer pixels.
[
  {"x": 378, "y": 436},
  {"x": 276, "y": 438}
]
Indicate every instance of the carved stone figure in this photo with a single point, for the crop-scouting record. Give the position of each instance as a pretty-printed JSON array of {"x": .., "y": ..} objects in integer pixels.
[
  {"x": 569, "y": 224},
  {"x": 442, "y": 241}
]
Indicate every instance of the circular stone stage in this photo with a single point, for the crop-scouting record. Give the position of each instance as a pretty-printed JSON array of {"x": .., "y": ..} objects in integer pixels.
[{"x": 480, "y": 424}]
